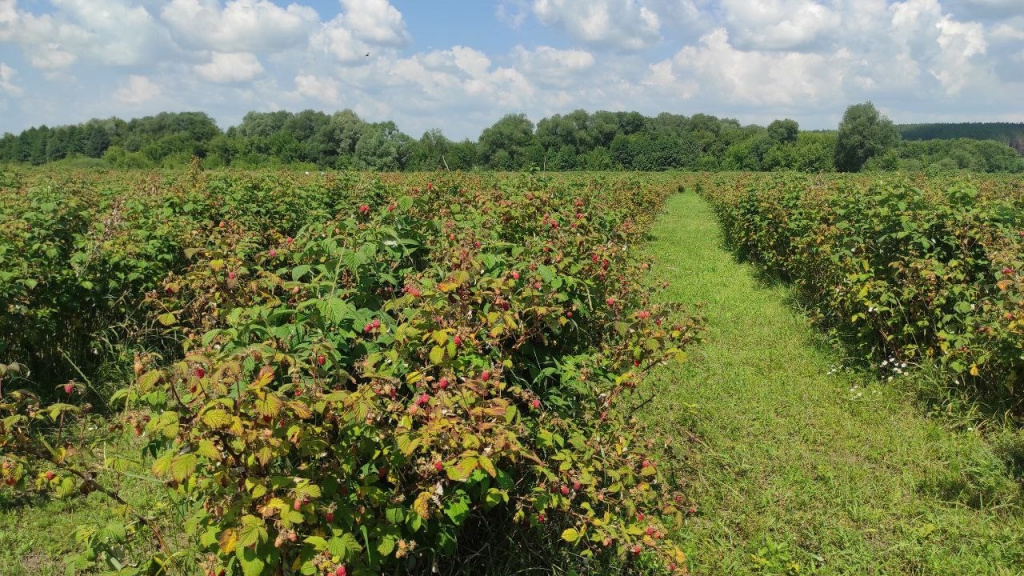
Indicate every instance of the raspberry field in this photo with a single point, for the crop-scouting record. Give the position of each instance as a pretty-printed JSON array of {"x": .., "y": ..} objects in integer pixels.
[{"x": 278, "y": 372}]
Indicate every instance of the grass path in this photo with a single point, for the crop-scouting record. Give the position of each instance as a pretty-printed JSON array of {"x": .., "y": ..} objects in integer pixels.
[{"x": 799, "y": 469}]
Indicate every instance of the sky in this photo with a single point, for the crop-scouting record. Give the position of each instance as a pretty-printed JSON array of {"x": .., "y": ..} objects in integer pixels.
[{"x": 459, "y": 65}]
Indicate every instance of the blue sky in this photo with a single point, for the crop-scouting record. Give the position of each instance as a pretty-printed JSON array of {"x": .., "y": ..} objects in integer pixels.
[{"x": 460, "y": 65}]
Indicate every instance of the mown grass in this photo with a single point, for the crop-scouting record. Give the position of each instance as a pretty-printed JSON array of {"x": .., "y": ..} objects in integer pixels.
[{"x": 798, "y": 465}]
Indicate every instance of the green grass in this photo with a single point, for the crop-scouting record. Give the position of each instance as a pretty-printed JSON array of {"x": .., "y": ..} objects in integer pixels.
[{"x": 797, "y": 467}]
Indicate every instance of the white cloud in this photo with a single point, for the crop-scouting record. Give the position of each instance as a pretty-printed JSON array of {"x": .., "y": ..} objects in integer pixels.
[
  {"x": 959, "y": 42},
  {"x": 1009, "y": 31},
  {"x": 318, "y": 88},
  {"x": 552, "y": 66},
  {"x": 778, "y": 24},
  {"x": 240, "y": 25},
  {"x": 7, "y": 80},
  {"x": 363, "y": 28},
  {"x": 935, "y": 41},
  {"x": 51, "y": 57},
  {"x": 760, "y": 78},
  {"x": 138, "y": 90},
  {"x": 111, "y": 32},
  {"x": 231, "y": 68},
  {"x": 623, "y": 24},
  {"x": 375, "y": 21},
  {"x": 8, "y": 17}
]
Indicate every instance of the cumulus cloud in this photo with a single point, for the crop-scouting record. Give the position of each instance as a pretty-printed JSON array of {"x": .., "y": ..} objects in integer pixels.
[
  {"x": 239, "y": 25},
  {"x": 375, "y": 21},
  {"x": 231, "y": 68},
  {"x": 7, "y": 84},
  {"x": 623, "y": 24},
  {"x": 138, "y": 90},
  {"x": 760, "y": 78},
  {"x": 553, "y": 67},
  {"x": 453, "y": 77},
  {"x": 111, "y": 32},
  {"x": 779, "y": 24},
  {"x": 363, "y": 27},
  {"x": 322, "y": 89}
]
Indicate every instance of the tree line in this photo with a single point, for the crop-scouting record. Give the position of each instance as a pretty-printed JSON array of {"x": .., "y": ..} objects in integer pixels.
[
  {"x": 579, "y": 140},
  {"x": 1009, "y": 133}
]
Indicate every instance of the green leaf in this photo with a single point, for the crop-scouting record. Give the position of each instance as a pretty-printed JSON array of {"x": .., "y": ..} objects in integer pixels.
[
  {"x": 252, "y": 564},
  {"x": 386, "y": 546},
  {"x": 318, "y": 543},
  {"x": 436, "y": 355},
  {"x": 494, "y": 497},
  {"x": 570, "y": 535},
  {"x": 167, "y": 319},
  {"x": 65, "y": 488},
  {"x": 253, "y": 531},
  {"x": 339, "y": 547},
  {"x": 457, "y": 510}
]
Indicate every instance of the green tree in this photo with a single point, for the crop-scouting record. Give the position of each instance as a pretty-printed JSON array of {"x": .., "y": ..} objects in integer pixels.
[
  {"x": 383, "y": 147},
  {"x": 863, "y": 134},
  {"x": 506, "y": 145}
]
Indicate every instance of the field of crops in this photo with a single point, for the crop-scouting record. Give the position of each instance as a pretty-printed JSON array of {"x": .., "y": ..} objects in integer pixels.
[
  {"x": 335, "y": 374},
  {"x": 272, "y": 372},
  {"x": 906, "y": 270}
]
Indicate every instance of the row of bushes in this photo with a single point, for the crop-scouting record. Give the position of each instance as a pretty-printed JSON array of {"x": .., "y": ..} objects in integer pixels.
[
  {"x": 369, "y": 373},
  {"x": 908, "y": 268}
]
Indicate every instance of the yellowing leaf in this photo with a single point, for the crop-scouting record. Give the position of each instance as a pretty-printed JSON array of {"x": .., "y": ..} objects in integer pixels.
[
  {"x": 228, "y": 541},
  {"x": 265, "y": 377},
  {"x": 269, "y": 405},
  {"x": 217, "y": 418},
  {"x": 487, "y": 466},
  {"x": 208, "y": 450},
  {"x": 422, "y": 505},
  {"x": 461, "y": 471},
  {"x": 148, "y": 380},
  {"x": 570, "y": 535},
  {"x": 182, "y": 467}
]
